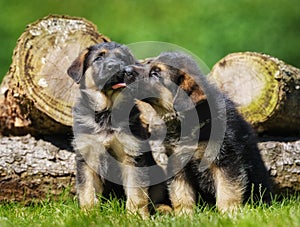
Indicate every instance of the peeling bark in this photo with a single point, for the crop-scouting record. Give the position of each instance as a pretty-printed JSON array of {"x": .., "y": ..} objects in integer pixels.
[
  {"x": 34, "y": 168},
  {"x": 282, "y": 159}
]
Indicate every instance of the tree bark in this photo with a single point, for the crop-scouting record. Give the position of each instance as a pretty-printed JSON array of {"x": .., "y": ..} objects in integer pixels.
[
  {"x": 32, "y": 168},
  {"x": 266, "y": 90},
  {"x": 282, "y": 158},
  {"x": 36, "y": 95}
]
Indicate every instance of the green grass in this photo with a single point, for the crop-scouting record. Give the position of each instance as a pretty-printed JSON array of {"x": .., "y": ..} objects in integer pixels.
[{"x": 66, "y": 212}]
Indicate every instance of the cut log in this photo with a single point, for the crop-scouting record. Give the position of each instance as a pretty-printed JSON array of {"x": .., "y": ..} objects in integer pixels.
[
  {"x": 36, "y": 95},
  {"x": 266, "y": 90},
  {"x": 282, "y": 159},
  {"x": 34, "y": 168}
]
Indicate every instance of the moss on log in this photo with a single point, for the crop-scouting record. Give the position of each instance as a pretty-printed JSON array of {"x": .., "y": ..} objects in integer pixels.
[{"x": 266, "y": 90}]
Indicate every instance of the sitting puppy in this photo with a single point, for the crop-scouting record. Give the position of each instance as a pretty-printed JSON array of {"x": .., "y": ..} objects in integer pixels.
[
  {"x": 225, "y": 166},
  {"x": 107, "y": 154}
]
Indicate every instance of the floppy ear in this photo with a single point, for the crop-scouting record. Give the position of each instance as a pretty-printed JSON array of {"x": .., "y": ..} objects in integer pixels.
[{"x": 77, "y": 69}]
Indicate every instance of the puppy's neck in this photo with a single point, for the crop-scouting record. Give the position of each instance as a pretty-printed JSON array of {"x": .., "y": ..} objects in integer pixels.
[{"x": 95, "y": 100}]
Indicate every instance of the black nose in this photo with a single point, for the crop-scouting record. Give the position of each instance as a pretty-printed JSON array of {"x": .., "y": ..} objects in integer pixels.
[
  {"x": 129, "y": 74},
  {"x": 128, "y": 70}
]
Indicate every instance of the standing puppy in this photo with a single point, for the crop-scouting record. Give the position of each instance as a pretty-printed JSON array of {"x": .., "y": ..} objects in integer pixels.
[
  {"x": 226, "y": 165},
  {"x": 105, "y": 152}
]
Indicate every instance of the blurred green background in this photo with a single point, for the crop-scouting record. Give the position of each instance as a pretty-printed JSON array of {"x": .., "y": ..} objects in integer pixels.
[{"x": 209, "y": 28}]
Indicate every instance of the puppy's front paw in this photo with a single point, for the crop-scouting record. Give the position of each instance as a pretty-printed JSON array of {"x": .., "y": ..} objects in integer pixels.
[
  {"x": 87, "y": 202},
  {"x": 163, "y": 209},
  {"x": 184, "y": 210},
  {"x": 141, "y": 209}
]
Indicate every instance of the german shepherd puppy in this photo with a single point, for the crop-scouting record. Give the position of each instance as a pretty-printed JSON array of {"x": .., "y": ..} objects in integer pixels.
[
  {"x": 225, "y": 167},
  {"x": 106, "y": 153}
]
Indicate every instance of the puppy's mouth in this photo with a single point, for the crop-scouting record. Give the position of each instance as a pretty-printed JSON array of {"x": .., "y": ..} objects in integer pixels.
[
  {"x": 122, "y": 79},
  {"x": 115, "y": 82}
]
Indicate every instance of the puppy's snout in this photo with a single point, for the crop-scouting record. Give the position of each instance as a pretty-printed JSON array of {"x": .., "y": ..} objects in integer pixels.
[
  {"x": 128, "y": 70},
  {"x": 129, "y": 74}
]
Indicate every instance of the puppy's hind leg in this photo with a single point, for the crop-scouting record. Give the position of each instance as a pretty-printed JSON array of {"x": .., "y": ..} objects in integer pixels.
[{"x": 229, "y": 189}]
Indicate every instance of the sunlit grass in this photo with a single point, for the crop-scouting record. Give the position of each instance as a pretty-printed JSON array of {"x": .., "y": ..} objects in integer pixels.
[{"x": 284, "y": 212}]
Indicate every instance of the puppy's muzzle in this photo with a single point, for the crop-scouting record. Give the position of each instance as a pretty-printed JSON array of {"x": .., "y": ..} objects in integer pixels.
[
  {"x": 113, "y": 66},
  {"x": 132, "y": 72},
  {"x": 116, "y": 80}
]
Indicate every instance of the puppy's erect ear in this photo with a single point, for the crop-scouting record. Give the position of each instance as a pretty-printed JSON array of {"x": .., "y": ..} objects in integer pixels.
[
  {"x": 76, "y": 70},
  {"x": 190, "y": 86},
  {"x": 182, "y": 101},
  {"x": 189, "y": 93}
]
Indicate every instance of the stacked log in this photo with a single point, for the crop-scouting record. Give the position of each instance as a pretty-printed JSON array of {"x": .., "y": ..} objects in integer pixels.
[
  {"x": 266, "y": 90},
  {"x": 36, "y": 95}
]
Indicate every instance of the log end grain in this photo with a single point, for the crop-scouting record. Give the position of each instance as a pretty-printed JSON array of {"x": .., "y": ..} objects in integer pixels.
[{"x": 265, "y": 89}]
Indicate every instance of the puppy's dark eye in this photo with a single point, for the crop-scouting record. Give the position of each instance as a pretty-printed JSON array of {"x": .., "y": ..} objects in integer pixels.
[
  {"x": 100, "y": 56},
  {"x": 155, "y": 72}
]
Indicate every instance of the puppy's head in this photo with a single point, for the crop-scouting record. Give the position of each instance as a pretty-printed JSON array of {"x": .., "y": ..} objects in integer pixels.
[
  {"x": 176, "y": 71},
  {"x": 99, "y": 66}
]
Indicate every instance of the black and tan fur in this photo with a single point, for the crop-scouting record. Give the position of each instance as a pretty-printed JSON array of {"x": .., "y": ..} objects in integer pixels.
[
  {"x": 237, "y": 172},
  {"x": 101, "y": 147}
]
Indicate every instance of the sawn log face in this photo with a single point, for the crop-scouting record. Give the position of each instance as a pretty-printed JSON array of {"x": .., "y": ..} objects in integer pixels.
[{"x": 37, "y": 95}]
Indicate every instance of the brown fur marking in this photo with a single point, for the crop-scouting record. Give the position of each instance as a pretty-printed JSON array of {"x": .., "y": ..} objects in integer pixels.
[{"x": 192, "y": 88}]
